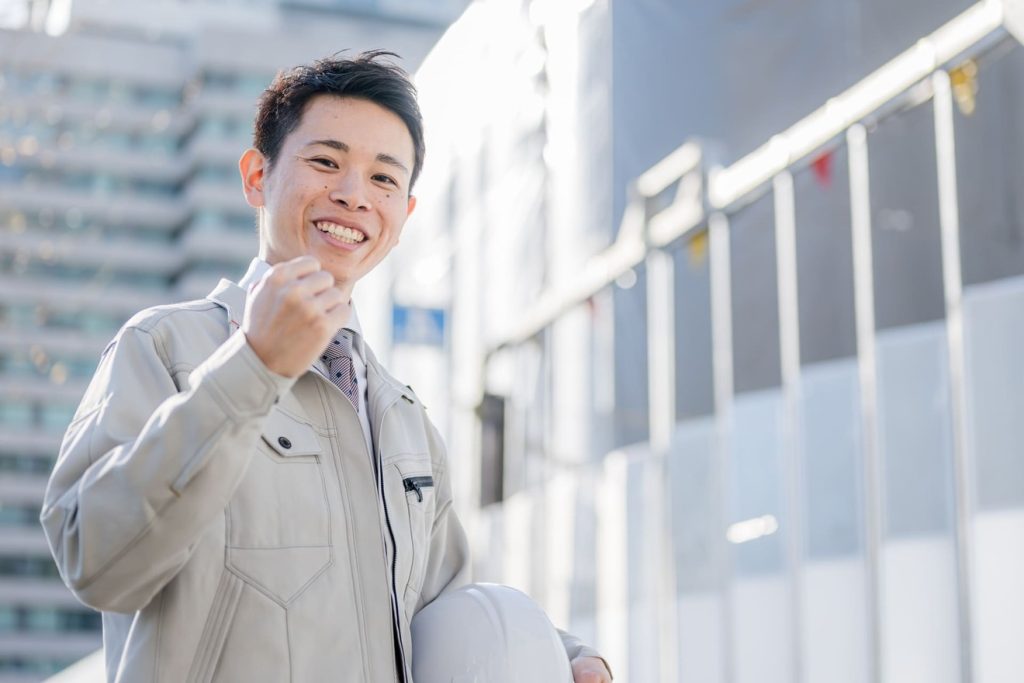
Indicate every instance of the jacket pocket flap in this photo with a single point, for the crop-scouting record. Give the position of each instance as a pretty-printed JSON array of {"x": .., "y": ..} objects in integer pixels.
[{"x": 289, "y": 436}]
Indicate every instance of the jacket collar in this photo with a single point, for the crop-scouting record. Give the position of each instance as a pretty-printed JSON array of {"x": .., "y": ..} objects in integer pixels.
[
  {"x": 382, "y": 388},
  {"x": 231, "y": 298}
]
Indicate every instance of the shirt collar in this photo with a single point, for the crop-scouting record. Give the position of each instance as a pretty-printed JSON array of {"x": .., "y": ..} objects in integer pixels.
[{"x": 258, "y": 268}]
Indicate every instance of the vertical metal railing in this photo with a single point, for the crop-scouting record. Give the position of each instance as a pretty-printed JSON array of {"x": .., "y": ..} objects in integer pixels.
[
  {"x": 952, "y": 280},
  {"x": 789, "y": 350},
  {"x": 867, "y": 369},
  {"x": 662, "y": 401},
  {"x": 722, "y": 368},
  {"x": 642, "y": 238}
]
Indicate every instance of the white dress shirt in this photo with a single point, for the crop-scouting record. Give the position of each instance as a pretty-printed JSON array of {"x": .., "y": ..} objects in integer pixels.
[{"x": 257, "y": 269}]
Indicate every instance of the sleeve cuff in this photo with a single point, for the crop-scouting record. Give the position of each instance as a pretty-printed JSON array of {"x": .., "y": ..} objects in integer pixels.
[
  {"x": 585, "y": 651},
  {"x": 245, "y": 387}
]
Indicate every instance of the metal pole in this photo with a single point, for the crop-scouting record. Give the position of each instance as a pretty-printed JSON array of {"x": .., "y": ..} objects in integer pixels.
[
  {"x": 722, "y": 362},
  {"x": 662, "y": 393},
  {"x": 613, "y": 562},
  {"x": 864, "y": 302},
  {"x": 789, "y": 346},
  {"x": 949, "y": 220}
]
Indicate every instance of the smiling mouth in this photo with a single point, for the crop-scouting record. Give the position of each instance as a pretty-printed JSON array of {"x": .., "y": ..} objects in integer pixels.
[{"x": 342, "y": 233}]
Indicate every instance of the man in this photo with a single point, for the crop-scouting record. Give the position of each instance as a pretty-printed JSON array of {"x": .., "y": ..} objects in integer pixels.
[{"x": 244, "y": 492}]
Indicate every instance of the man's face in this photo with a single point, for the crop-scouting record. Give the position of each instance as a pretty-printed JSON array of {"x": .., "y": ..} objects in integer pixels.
[{"x": 339, "y": 189}]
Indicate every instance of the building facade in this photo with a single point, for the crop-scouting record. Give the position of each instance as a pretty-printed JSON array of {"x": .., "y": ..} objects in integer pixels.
[
  {"x": 121, "y": 124},
  {"x": 735, "y": 294}
]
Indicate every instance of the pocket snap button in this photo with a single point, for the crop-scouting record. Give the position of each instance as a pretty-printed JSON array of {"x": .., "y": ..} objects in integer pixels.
[{"x": 284, "y": 441}]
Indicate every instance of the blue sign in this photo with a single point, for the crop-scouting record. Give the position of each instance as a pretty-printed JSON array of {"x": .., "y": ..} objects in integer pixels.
[{"x": 418, "y": 326}]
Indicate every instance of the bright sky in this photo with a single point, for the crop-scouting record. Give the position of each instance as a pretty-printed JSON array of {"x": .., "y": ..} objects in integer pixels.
[{"x": 13, "y": 13}]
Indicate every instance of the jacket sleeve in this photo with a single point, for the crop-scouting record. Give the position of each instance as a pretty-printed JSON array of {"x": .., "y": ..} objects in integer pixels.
[
  {"x": 144, "y": 467},
  {"x": 574, "y": 648},
  {"x": 448, "y": 565}
]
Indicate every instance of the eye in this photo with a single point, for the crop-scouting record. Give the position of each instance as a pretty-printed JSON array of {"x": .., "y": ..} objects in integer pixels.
[
  {"x": 324, "y": 161},
  {"x": 380, "y": 177}
]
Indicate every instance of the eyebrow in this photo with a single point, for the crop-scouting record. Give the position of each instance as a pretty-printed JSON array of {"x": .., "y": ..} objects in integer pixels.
[{"x": 342, "y": 147}]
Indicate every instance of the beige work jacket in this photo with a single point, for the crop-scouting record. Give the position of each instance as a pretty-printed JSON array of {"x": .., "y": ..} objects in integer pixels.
[{"x": 229, "y": 522}]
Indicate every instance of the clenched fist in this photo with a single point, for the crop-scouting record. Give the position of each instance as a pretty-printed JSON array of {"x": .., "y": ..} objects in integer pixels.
[{"x": 292, "y": 314}]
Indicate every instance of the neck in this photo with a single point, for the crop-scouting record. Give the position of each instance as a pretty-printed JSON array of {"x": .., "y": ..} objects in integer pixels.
[{"x": 346, "y": 289}]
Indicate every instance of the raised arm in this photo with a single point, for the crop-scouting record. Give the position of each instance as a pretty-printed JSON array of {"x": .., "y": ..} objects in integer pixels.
[{"x": 144, "y": 469}]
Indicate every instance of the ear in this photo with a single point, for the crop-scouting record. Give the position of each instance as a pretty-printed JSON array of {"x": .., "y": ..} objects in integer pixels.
[{"x": 252, "y": 166}]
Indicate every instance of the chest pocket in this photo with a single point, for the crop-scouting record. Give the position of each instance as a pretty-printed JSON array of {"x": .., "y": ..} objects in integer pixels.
[
  {"x": 409, "y": 479},
  {"x": 278, "y": 521}
]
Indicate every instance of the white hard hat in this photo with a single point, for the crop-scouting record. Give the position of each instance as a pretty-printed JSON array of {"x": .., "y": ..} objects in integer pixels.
[{"x": 486, "y": 633}]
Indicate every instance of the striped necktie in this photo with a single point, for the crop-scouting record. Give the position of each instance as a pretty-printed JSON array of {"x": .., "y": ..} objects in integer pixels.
[{"x": 340, "y": 369}]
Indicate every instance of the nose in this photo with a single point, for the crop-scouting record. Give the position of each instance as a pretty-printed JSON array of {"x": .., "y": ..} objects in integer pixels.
[{"x": 350, "y": 191}]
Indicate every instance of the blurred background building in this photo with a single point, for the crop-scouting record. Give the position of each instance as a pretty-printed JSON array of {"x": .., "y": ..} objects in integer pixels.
[
  {"x": 121, "y": 124},
  {"x": 735, "y": 306},
  {"x": 717, "y": 304}
]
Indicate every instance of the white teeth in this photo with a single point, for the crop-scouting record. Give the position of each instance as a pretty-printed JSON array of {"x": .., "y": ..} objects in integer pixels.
[{"x": 341, "y": 232}]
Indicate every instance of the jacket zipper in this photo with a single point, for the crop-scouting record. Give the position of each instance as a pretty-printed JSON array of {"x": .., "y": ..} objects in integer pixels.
[
  {"x": 417, "y": 484},
  {"x": 395, "y": 618}
]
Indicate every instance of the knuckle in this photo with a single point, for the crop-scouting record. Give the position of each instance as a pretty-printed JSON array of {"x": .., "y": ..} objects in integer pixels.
[{"x": 277, "y": 277}]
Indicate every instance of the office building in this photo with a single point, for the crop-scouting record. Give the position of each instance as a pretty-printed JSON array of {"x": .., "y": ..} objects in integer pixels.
[
  {"x": 121, "y": 124},
  {"x": 736, "y": 294}
]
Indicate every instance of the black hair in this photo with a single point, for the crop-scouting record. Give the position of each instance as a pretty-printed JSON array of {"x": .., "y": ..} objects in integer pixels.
[{"x": 370, "y": 76}]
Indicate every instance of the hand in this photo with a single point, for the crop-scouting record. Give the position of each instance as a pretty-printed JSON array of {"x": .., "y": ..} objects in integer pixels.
[
  {"x": 292, "y": 314},
  {"x": 590, "y": 670}
]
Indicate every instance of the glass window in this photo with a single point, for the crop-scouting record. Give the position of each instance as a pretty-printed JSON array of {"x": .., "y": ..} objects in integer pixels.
[
  {"x": 755, "y": 306},
  {"x": 915, "y": 440},
  {"x": 989, "y": 150},
  {"x": 26, "y": 464},
  {"x": 694, "y": 501},
  {"x": 23, "y": 515},
  {"x": 119, "y": 93},
  {"x": 41, "y": 619},
  {"x": 118, "y": 140},
  {"x": 139, "y": 280},
  {"x": 17, "y": 365},
  {"x": 631, "y": 417},
  {"x": 220, "y": 80},
  {"x": 906, "y": 246},
  {"x": 11, "y": 175},
  {"x": 152, "y": 188},
  {"x": 254, "y": 84},
  {"x": 161, "y": 144},
  {"x": 56, "y": 418},
  {"x": 215, "y": 174},
  {"x": 49, "y": 619},
  {"x": 156, "y": 97},
  {"x": 24, "y": 665},
  {"x": 757, "y": 485},
  {"x": 694, "y": 378},
  {"x": 42, "y": 82},
  {"x": 87, "y": 89},
  {"x": 831, "y": 440},
  {"x": 15, "y": 414},
  {"x": 824, "y": 244}
]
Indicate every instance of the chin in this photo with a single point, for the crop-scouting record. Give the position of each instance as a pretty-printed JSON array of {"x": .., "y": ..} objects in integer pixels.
[{"x": 341, "y": 275}]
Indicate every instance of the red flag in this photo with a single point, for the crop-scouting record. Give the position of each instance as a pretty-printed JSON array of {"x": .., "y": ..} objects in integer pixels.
[{"x": 822, "y": 167}]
